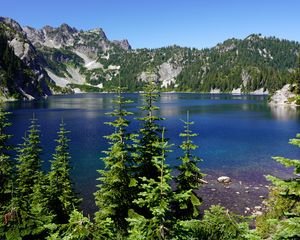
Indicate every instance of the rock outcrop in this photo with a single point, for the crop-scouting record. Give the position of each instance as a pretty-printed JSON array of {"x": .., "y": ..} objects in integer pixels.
[
  {"x": 284, "y": 96},
  {"x": 26, "y": 78}
]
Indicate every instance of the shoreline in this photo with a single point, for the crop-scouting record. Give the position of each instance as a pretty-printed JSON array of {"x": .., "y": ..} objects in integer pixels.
[{"x": 5, "y": 100}]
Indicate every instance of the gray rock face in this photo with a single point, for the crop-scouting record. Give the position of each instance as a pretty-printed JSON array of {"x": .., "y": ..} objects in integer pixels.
[
  {"x": 123, "y": 44},
  {"x": 168, "y": 72},
  {"x": 37, "y": 84},
  {"x": 87, "y": 42},
  {"x": 11, "y": 23},
  {"x": 283, "y": 96}
]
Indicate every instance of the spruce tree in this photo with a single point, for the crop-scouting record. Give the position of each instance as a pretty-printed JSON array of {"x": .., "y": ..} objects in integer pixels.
[
  {"x": 150, "y": 134},
  {"x": 6, "y": 170},
  {"x": 189, "y": 177},
  {"x": 114, "y": 197},
  {"x": 155, "y": 195},
  {"x": 63, "y": 199},
  {"x": 288, "y": 222},
  {"x": 30, "y": 216},
  {"x": 6, "y": 164}
]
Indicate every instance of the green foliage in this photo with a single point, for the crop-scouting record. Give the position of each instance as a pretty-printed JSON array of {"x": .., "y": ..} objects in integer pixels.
[
  {"x": 58, "y": 60},
  {"x": 78, "y": 228},
  {"x": 282, "y": 219},
  {"x": 29, "y": 214},
  {"x": 155, "y": 195},
  {"x": 6, "y": 164},
  {"x": 219, "y": 224},
  {"x": 63, "y": 199},
  {"x": 6, "y": 168},
  {"x": 189, "y": 177},
  {"x": 114, "y": 187},
  {"x": 297, "y": 77},
  {"x": 149, "y": 135}
]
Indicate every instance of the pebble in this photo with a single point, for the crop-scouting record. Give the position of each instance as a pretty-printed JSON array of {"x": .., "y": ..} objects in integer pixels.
[
  {"x": 248, "y": 209},
  {"x": 258, "y": 208},
  {"x": 246, "y": 191},
  {"x": 213, "y": 189},
  {"x": 246, "y": 187},
  {"x": 238, "y": 193},
  {"x": 256, "y": 188},
  {"x": 261, "y": 196}
]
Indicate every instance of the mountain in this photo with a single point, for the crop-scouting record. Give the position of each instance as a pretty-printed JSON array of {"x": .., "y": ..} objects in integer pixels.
[
  {"x": 21, "y": 73},
  {"x": 65, "y": 58}
]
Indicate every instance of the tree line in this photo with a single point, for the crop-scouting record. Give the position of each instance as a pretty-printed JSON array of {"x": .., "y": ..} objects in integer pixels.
[{"x": 135, "y": 197}]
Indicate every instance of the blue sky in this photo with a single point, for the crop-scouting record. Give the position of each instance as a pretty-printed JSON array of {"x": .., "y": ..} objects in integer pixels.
[{"x": 157, "y": 23}]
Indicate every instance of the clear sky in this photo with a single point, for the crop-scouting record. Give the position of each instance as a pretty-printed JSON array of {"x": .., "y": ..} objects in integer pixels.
[{"x": 157, "y": 23}]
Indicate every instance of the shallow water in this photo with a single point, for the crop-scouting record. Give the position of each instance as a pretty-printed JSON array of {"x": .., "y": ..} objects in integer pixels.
[{"x": 237, "y": 134}]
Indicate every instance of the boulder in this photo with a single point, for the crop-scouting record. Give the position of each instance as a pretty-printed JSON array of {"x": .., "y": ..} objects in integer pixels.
[{"x": 224, "y": 179}]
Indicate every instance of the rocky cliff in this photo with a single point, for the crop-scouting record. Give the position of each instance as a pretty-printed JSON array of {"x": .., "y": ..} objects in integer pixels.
[{"x": 21, "y": 72}]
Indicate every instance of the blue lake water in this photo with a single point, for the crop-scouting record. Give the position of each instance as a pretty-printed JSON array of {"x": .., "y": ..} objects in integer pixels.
[{"x": 237, "y": 134}]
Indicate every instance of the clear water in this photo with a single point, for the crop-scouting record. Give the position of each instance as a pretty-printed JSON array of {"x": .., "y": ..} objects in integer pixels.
[{"x": 237, "y": 134}]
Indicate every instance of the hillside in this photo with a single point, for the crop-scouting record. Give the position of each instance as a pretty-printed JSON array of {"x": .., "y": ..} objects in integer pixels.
[{"x": 66, "y": 58}]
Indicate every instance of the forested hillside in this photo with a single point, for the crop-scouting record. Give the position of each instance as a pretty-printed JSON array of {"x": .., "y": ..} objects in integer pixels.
[{"x": 66, "y": 58}]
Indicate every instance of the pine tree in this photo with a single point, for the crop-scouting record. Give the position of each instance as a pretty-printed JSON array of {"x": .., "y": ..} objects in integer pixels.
[
  {"x": 156, "y": 195},
  {"x": 6, "y": 164},
  {"x": 286, "y": 223},
  {"x": 6, "y": 170},
  {"x": 41, "y": 218},
  {"x": 189, "y": 177},
  {"x": 63, "y": 199},
  {"x": 114, "y": 197},
  {"x": 30, "y": 217},
  {"x": 150, "y": 133}
]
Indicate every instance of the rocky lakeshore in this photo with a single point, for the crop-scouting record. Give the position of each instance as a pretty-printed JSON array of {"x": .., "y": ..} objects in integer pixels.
[
  {"x": 285, "y": 97},
  {"x": 241, "y": 197}
]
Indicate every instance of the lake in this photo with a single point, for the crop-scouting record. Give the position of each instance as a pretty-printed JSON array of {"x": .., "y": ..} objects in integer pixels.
[{"x": 238, "y": 134}]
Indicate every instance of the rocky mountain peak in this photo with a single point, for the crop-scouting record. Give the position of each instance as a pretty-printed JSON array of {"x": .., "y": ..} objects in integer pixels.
[
  {"x": 12, "y": 23},
  {"x": 99, "y": 32},
  {"x": 66, "y": 28},
  {"x": 123, "y": 44}
]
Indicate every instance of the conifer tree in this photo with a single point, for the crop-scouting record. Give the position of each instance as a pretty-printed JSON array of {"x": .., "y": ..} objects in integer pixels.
[
  {"x": 77, "y": 228},
  {"x": 6, "y": 164},
  {"x": 156, "y": 196},
  {"x": 189, "y": 177},
  {"x": 114, "y": 197},
  {"x": 29, "y": 161},
  {"x": 63, "y": 199},
  {"x": 150, "y": 134},
  {"x": 30, "y": 216},
  {"x": 6, "y": 170},
  {"x": 297, "y": 76},
  {"x": 41, "y": 219},
  {"x": 287, "y": 224}
]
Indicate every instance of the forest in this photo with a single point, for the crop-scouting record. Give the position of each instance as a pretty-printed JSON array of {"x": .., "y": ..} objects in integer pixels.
[{"x": 138, "y": 196}]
